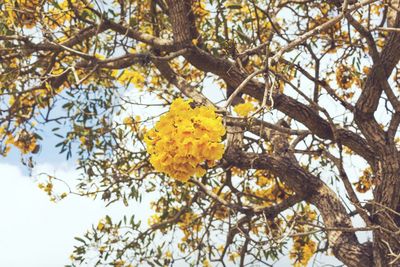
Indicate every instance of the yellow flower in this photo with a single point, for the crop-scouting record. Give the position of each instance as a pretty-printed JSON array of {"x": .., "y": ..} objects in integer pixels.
[
  {"x": 233, "y": 256},
  {"x": 366, "y": 70},
  {"x": 345, "y": 76},
  {"x": 119, "y": 263},
  {"x": 263, "y": 178},
  {"x": 102, "y": 249},
  {"x": 23, "y": 12},
  {"x": 244, "y": 109},
  {"x": 133, "y": 123},
  {"x": 24, "y": 141},
  {"x": 365, "y": 182},
  {"x": 184, "y": 139},
  {"x": 302, "y": 251},
  {"x": 155, "y": 218},
  {"x": 100, "y": 226},
  {"x": 206, "y": 263},
  {"x": 129, "y": 76},
  {"x": 168, "y": 254}
]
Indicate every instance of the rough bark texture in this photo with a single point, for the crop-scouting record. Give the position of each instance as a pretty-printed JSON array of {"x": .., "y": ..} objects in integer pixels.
[{"x": 386, "y": 192}]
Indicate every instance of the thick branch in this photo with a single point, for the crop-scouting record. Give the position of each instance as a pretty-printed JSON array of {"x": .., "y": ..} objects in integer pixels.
[{"x": 345, "y": 245}]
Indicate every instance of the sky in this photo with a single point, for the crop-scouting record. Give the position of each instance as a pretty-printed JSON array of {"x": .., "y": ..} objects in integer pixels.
[{"x": 35, "y": 232}]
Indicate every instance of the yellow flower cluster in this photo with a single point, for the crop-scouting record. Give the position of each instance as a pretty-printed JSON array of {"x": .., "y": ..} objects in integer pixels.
[
  {"x": 303, "y": 245},
  {"x": 132, "y": 123},
  {"x": 190, "y": 223},
  {"x": 200, "y": 10},
  {"x": 183, "y": 139},
  {"x": 302, "y": 251},
  {"x": 365, "y": 182},
  {"x": 244, "y": 109},
  {"x": 264, "y": 178},
  {"x": 346, "y": 76},
  {"x": 129, "y": 76},
  {"x": 273, "y": 194},
  {"x": 49, "y": 186},
  {"x": 63, "y": 12},
  {"x": 22, "y": 12},
  {"x": 24, "y": 141}
]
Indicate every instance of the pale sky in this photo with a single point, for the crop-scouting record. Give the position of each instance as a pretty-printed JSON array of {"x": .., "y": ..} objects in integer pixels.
[{"x": 35, "y": 232}]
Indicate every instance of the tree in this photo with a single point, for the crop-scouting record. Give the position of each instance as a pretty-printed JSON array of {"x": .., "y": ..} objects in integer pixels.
[{"x": 266, "y": 104}]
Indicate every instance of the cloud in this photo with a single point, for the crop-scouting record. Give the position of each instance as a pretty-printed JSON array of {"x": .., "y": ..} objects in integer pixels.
[{"x": 38, "y": 233}]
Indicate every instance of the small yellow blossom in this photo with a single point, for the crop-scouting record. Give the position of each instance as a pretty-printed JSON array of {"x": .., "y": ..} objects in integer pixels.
[
  {"x": 133, "y": 123},
  {"x": 244, "y": 109},
  {"x": 24, "y": 141},
  {"x": 365, "y": 182},
  {"x": 302, "y": 251},
  {"x": 100, "y": 225},
  {"x": 119, "y": 263},
  {"x": 345, "y": 76},
  {"x": 233, "y": 256},
  {"x": 206, "y": 263},
  {"x": 168, "y": 254},
  {"x": 366, "y": 70},
  {"x": 129, "y": 76},
  {"x": 102, "y": 249}
]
